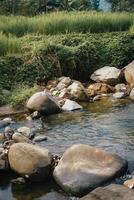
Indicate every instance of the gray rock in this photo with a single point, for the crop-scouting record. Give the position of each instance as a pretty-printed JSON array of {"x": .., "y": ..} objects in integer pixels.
[
  {"x": 30, "y": 160},
  {"x": 121, "y": 87},
  {"x": 83, "y": 168},
  {"x": 26, "y": 131},
  {"x": 78, "y": 92},
  {"x": 111, "y": 192},
  {"x": 71, "y": 105},
  {"x": 44, "y": 103},
  {"x": 7, "y": 119},
  {"x": 132, "y": 94},
  {"x": 109, "y": 75},
  {"x": 64, "y": 83},
  {"x": 119, "y": 95},
  {"x": 40, "y": 138}
]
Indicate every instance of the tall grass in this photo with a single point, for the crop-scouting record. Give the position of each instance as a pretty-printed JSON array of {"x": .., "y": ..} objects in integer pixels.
[
  {"x": 9, "y": 44},
  {"x": 62, "y": 22}
]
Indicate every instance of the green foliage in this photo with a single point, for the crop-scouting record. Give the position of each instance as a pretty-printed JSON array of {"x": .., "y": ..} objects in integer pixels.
[
  {"x": 21, "y": 94},
  {"x": 122, "y": 5}
]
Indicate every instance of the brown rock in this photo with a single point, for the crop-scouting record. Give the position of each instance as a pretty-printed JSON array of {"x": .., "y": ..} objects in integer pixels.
[
  {"x": 129, "y": 183},
  {"x": 83, "y": 168},
  {"x": 111, "y": 192},
  {"x": 129, "y": 74},
  {"x": 99, "y": 88},
  {"x": 30, "y": 160}
]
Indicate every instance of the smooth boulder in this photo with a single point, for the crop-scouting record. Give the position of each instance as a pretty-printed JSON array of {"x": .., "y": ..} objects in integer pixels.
[
  {"x": 108, "y": 75},
  {"x": 83, "y": 168},
  {"x": 129, "y": 74},
  {"x": 77, "y": 92},
  {"x": 44, "y": 103},
  {"x": 70, "y": 105},
  {"x": 111, "y": 192},
  {"x": 29, "y": 160}
]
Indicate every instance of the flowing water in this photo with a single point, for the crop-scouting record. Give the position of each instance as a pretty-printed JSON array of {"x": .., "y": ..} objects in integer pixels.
[{"x": 104, "y": 124}]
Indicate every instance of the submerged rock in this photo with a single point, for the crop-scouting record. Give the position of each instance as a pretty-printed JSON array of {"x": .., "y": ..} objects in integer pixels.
[
  {"x": 129, "y": 74},
  {"x": 44, "y": 103},
  {"x": 30, "y": 160},
  {"x": 40, "y": 138},
  {"x": 108, "y": 75},
  {"x": 83, "y": 168},
  {"x": 71, "y": 105},
  {"x": 111, "y": 192}
]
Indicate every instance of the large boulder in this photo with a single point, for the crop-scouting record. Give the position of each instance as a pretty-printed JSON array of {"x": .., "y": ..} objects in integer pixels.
[
  {"x": 70, "y": 105},
  {"x": 132, "y": 94},
  {"x": 44, "y": 103},
  {"x": 30, "y": 160},
  {"x": 111, "y": 192},
  {"x": 129, "y": 74},
  {"x": 84, "y": 168},
  {"x": 109, "y": 75},
  {"x": 77, "y": 91},
  {"x": 99, "y": 88}
]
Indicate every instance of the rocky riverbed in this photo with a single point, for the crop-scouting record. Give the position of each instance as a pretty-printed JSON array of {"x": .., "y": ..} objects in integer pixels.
[{"x": 84, "y": 147}]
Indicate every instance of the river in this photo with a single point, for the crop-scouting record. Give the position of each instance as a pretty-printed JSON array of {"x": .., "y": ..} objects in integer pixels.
[{"x": 105, "y": 124}]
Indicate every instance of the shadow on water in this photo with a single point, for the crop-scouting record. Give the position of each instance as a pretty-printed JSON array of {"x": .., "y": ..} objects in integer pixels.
[{"x": 105, "y": 124}]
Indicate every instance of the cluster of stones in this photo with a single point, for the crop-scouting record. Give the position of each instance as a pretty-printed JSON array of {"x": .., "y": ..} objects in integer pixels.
[{"x": 64, "y": 94}]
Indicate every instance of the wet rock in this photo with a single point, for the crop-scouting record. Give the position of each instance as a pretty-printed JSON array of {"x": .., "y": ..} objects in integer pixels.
[
  {"x": 119, "y": 95},
  {"x": 111, "y": 192},
  {"x": 2, "y": 137},
  {"x": 132, "y": 94},
  {"x": 108, "y": 75},
  {"x": 18, "y": 137},
  {"x": 3, "y": 123},
  {"x": 121, "y": 87},
  {"x": 44, "y": 103},
  {"x": 83, "y": 168},
  {"x": 7, "y": 119},
  {"x": 129, "y": 183},
  {"x": 129, "y": 73},
  {"x": 18, "y": 181},
  {"x": 64, "y": 83},
  {"x": 8, "y": 132},
  {"x": 99, "y": 88},
  {"x": 30, "y": 161},
  {"x": 71, "y": 106},
  {"x": 78, "y": 92},
  {"x": 26, "y": 131},
  {"x": 40, "y": 138}
]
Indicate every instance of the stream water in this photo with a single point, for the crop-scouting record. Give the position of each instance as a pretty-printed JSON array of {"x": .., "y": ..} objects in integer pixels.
[{"x": 104, "y": 124}]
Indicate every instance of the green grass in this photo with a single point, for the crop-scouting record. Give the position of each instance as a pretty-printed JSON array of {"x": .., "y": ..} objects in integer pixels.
[{"x": 62, "y": 22}]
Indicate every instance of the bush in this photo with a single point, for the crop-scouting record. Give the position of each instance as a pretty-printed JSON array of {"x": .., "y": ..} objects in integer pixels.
[{"x": 21, "y": 94}]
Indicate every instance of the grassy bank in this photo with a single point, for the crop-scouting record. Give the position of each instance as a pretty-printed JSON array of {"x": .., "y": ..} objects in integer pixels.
[
  {"x": 62, "y": 23},
  {"x": 71, "y": 44}
]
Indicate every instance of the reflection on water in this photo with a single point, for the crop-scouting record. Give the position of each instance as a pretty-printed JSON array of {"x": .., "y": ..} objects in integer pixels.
[{"x": 105, "y": 124}]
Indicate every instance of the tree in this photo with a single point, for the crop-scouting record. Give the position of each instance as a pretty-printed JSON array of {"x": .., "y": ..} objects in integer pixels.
[
  {"x": 95, "y": 4},
  {"x": 122, "y": 5}
]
